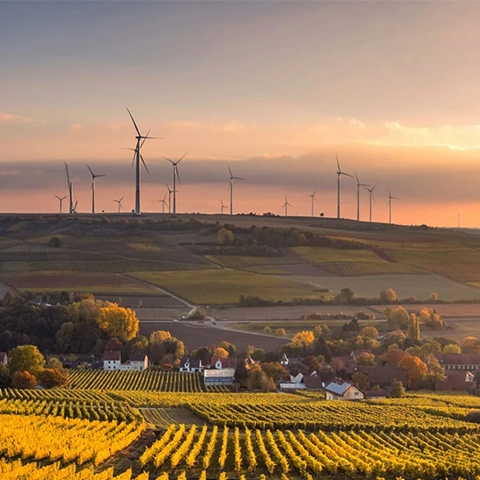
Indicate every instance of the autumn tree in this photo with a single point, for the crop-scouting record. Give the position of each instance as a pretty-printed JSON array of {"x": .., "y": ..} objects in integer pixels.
[
  {"x": 259, "y": 381},
  {"x": 26, "y": 358},
  {"x": 398, "y": 390},
  {"x": 366, "y": 359},
  {"x": 436, "y": 372},
  {"x": 118, "y": 322},
  {"x": 398, "y": 318},
  {"x": 452, "y": 348},
  {"x": 388, "y": 295},
  {"x": 394, "y": 355},
  {"x": 220, "y": 353},
  {"x": 159, "y": 336},
  {"x": 416, "y": 369},
  {"x": 5, "y": 377},
  {"x": 470, "y": 345},
  {"x": 50, "y": 378},
  {"x": 361, "y": 380},
  {"x": 370, "y": 332},
  {"x": 273, "y": 370},
  {"x": 280, "y": 332},
  {"x": 413, "y": 328},
  {"x": 229, "y": 347},
  {"x": 163, "y": 348},
  {"x": 225, "y": 237},
  {"x": 302, "y": 339},
  {"x": 23, "y": 379}
]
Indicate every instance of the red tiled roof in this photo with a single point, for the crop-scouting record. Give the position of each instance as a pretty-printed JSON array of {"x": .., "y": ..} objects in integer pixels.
[{"x": 112, "y": 356}]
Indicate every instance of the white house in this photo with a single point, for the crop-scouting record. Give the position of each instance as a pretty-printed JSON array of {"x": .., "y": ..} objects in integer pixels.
[
  {"x": 190, "y": 365},
  {"x": 340, "y": 390},
  {"x": 294, "y": 383},
  {"x": 225, "y": 376},
  {"x": 112, "y": 360},
  {"x": 220, "y": 363}
]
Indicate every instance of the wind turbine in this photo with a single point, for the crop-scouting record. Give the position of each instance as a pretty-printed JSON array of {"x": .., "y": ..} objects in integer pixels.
[
  {"x": 119, "y": 202},
  {"x": 358, "y": 195},
  {"x": 137, "y": 158},
  {"x": 93, "y": 186},
  {"x": 232, "y": 178},
  {"x": 390, "y": 198},
  {"x": 372, "y": 196},
  {"x": 163, "y": 202},
  {"x": 312, "y": 196},
  {"x": 70, "y": 191},
  {"x": 169, "y": 198},
  {"x": 223, "y": 207},
  {"x": 339, "y": 174},
  {"x": 175, "y": 176},
  {"x": 61, "y": 199},
  {"x": 286, "y": 205}
]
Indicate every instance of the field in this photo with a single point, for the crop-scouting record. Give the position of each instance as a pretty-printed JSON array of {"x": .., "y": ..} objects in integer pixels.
[
  {"x": 235, "y": 435},
  {"x": 225, "y": 286}
]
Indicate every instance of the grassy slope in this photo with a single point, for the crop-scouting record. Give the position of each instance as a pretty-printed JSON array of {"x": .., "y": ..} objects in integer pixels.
[{"x": 225, "y": 286}]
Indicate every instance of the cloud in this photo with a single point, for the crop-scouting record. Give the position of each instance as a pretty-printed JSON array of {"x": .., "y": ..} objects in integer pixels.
[
  {"x": 12, "y": 118},
  {"x": 233, "y": 126},
  {"x": 186, "y": 125},
  {"x": 75, "y": 127}
]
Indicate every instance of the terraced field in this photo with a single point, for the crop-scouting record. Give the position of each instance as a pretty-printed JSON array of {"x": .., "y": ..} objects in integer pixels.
[{"x": 164, "y": 417}]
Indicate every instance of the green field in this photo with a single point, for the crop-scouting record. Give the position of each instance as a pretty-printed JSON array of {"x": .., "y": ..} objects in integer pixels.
[
  {"x": 225, "y": 286},
  {"x": 237, "y": 261}
]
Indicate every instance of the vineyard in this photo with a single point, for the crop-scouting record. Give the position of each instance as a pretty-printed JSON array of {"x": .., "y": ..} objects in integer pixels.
[{"x": 145, "y": 381}]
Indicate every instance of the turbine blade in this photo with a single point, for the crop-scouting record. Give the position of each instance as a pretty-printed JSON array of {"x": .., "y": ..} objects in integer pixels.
[
  {"x": 356, "y": 176},
  {"x": 338, "y": 163},
  {"x": 238, "y": 178},
  {"x": 134, "y": 124},
  {"x": 182, "y": 158},
  {"x": 171, "y": 161},
  {"x": 230, "y": 170},
  {"x": 144, "y": 164},
  {"x": 93, "y": 175},
  {"x": 177, "y": 173},
  {"x": 346, "y": 174},
  {"x": 144, "y": 139}
]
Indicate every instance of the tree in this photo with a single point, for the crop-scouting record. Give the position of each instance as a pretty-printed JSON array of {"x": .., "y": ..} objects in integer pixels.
[
  {"x": 50, "y": 378},
  {"x": 280, "y": 332},
  {"x": 414, "y": 328},
  {"x": 394, "y": 356},
  {"x": 267, "y": 329},
  {"x": 220, "y": 353},
  {"x": 344, "y": 297},
  {"x": 273, "y": 370},
  {"x": 470, "y": 345},
  {"x": 370, "y": 332},
  {"x": 113, "y": 344},
  {"x": 159, "y": 336},
  {"x": 259, "y": 381},
  {"x": 23, "y": 379},
  {"x": 366, "y": 359},
  {"x": 433, "y": 297},
  {"x": 416, "y": 370},
  {"x": 452, "y": 348},
  {"x": 118, "y": 322},
  {"x": 225, "y": 237},
  {"x": 5, "y": 377},
  {"x": 322, "y": 348},
  {"x": 398, "y": 318},
  {"x": 361, "y": 380},
  {"x": 388, "y": 295},
  {"x": 229, "y": 347},
  {"x": 398, "y": 390},
  {"x": 241, "y": 374},
  {"x": 436, "y": 373},
  {"x": 25, "y": 358}
]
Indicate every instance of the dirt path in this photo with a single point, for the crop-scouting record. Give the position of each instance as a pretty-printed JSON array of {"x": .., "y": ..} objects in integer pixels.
[{"x": 128, "y": 458}]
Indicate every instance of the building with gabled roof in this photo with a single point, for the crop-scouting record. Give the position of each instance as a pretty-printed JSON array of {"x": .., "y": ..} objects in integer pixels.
[
  {"x": 188, "y": 364},
  {"x": 341, "y": 390}
]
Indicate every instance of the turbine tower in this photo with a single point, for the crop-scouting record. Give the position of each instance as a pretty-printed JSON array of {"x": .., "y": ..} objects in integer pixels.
[
  {"x": 169, "y": 198},
  {"x": 372, "y": 196},
  {"x": 138, "y": 157},
  {"x": 232, "y": 178},
  {"x": 70, "y": 191},
  {"x": 223, "y": 207},
  {"x": 163, "y": 202},
  {"x": 93, "y": 186},
  {"x": 359, "y": 185},
  {"x": 339, "y": 174},
  {"x": 175, "y": 176},
  {"x": 286, "y": 205},
  {"x": 314, "y": 199},
  {"x": 61, "y": 199},
  {"x": 119, "y": 202},
  {"x": 390, "y": 198}
]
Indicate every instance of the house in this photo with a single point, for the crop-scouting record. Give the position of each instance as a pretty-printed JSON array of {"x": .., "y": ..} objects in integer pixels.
[
  {"x": 318, "y": 380},
  {"x": 3, "y": 358},
  {"x": 381, "y": 376},
  {"x": 341, "y": 390},
  {"x": 224, "y": 376},
  {"x": 112, "y": 360},
  {"x": 457, "y": 380},
  {"x": 137, "y": 363},
  {"x": 190, "y": 365},
  {"x": 459, "y": 361},
  {"x": 375, "y": 394},
  {"x": 284, "y": 360},
  {"x": 220, "y": 363},
  {"x": 291, "y": 382}
]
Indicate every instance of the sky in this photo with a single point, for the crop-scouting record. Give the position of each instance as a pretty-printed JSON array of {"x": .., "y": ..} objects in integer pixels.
[{"x": 276, "y": 89}]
